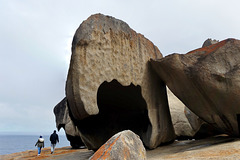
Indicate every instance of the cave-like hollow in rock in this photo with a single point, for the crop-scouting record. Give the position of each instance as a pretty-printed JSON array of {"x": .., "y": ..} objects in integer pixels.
[{"x": 120, "y": 108}]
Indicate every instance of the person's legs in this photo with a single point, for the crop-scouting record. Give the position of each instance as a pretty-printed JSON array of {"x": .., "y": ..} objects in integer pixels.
[
  {"x": 39, "y": 150},
  {"x": 52, "y": 147}
]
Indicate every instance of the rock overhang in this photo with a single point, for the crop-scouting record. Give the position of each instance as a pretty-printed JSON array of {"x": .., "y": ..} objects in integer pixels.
[{"x": 104, "y": 50}]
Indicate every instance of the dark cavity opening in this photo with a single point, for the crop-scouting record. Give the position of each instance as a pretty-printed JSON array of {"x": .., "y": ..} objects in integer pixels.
[
  {"x": 123, "y": 107},
  {"x": 120, "y": 108},
  {"x": 238, "y": 121}
]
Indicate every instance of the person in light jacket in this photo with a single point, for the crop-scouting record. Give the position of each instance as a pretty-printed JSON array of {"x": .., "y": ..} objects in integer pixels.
[
  {"x": 54, "y": 139},
  {"x": 40, "y": 144}
]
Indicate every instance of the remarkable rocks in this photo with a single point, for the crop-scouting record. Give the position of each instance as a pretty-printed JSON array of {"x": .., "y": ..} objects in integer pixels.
[
  {"x": 207, "y": 81},
  {"x": 124, "y": 145},
  {"x": 63, "y": 120},
  {"x": 111, "y": 86}
]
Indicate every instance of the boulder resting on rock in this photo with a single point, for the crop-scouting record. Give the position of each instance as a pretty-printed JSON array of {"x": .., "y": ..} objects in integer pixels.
[
  {"x": 209, "y": 42},
  {"x": 207, "y": 81}
]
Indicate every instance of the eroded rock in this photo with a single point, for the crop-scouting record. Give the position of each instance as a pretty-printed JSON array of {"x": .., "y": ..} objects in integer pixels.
[
  {"x": 207, "y": 81},
  {"x": 111, "y": 86},
  {"x": 123, "y": 145},
  {"x": 63, "y": 120}
]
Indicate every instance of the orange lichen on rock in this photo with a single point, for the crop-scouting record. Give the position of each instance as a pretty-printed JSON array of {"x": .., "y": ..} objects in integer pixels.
[
  {"x": 124, "y": 145},
  {"x": 103, "y": 151},
  {"x": 210, "y": 49}
]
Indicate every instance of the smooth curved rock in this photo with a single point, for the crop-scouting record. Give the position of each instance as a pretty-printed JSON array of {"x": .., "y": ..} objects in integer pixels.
[
  {"x": 63, "y": 120},
  {"x": 124, "y": 145},
  {"x": 109, "y": 71},
  {"x": 207, "y": 81}
]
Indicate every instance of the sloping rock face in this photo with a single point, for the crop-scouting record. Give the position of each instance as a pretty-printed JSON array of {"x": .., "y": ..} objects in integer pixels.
[
  {"x": 207, "y": 81},
  {"x": 124, "y": 145},
  {"x": 63, "y": 120},
  {"x": 111, "y": 86}
]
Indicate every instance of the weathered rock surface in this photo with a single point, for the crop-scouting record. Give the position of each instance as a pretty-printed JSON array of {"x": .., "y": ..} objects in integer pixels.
[
  {"x": 111, "y": 86},
  {"x": 207, "y": 81},
  {"x": 124, "y": 145},
  {"x": 63, "y": 120}
]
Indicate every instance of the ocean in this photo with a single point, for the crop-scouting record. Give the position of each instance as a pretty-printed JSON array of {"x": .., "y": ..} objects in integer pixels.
[{"x": 18, "y": 143}]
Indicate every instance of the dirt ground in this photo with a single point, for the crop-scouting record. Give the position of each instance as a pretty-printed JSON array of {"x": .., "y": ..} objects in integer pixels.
[{"x": 214, "y": 148}]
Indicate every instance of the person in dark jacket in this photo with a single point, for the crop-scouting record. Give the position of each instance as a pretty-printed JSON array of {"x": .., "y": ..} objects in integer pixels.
[
  {"x": 54, "y": 139},
  {"x": 40, "y": 144}
]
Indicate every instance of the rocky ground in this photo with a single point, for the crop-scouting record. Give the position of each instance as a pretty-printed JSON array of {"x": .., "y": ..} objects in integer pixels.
[
  {"x": 59, "y": 154},
  {"x": 215, "y": 148}
]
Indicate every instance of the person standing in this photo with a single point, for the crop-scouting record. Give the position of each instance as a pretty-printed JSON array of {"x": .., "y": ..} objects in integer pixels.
[
  {"x": 40, "y": 144},
  {"x": 54, "y": 139}
]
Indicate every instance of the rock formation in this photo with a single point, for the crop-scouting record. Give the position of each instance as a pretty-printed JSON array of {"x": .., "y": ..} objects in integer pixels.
[
  {"x": 111, "y": 86},
  {"x": 63, "y": 120},
  {"x": 209, "y": 42},
  {"x": 123, "y": 145},
  {"x": 207, "y": 81}
]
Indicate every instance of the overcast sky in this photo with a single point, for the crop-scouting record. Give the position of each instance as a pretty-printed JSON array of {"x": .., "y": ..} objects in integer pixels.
[{"x": 36, "y": 36}]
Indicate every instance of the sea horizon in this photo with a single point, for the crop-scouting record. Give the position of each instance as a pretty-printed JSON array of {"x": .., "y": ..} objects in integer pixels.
[
  {"x": 12, "y": 143},
  {"x": 61, "y": 132}
]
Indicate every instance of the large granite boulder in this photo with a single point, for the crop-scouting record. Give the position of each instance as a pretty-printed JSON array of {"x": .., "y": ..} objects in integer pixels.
[
  {"x": 207, "y": 81},
  {"x": 111, "y": 86},
  {"x": 123, "y": 145},
  {"x": 63, "y": 120}
]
